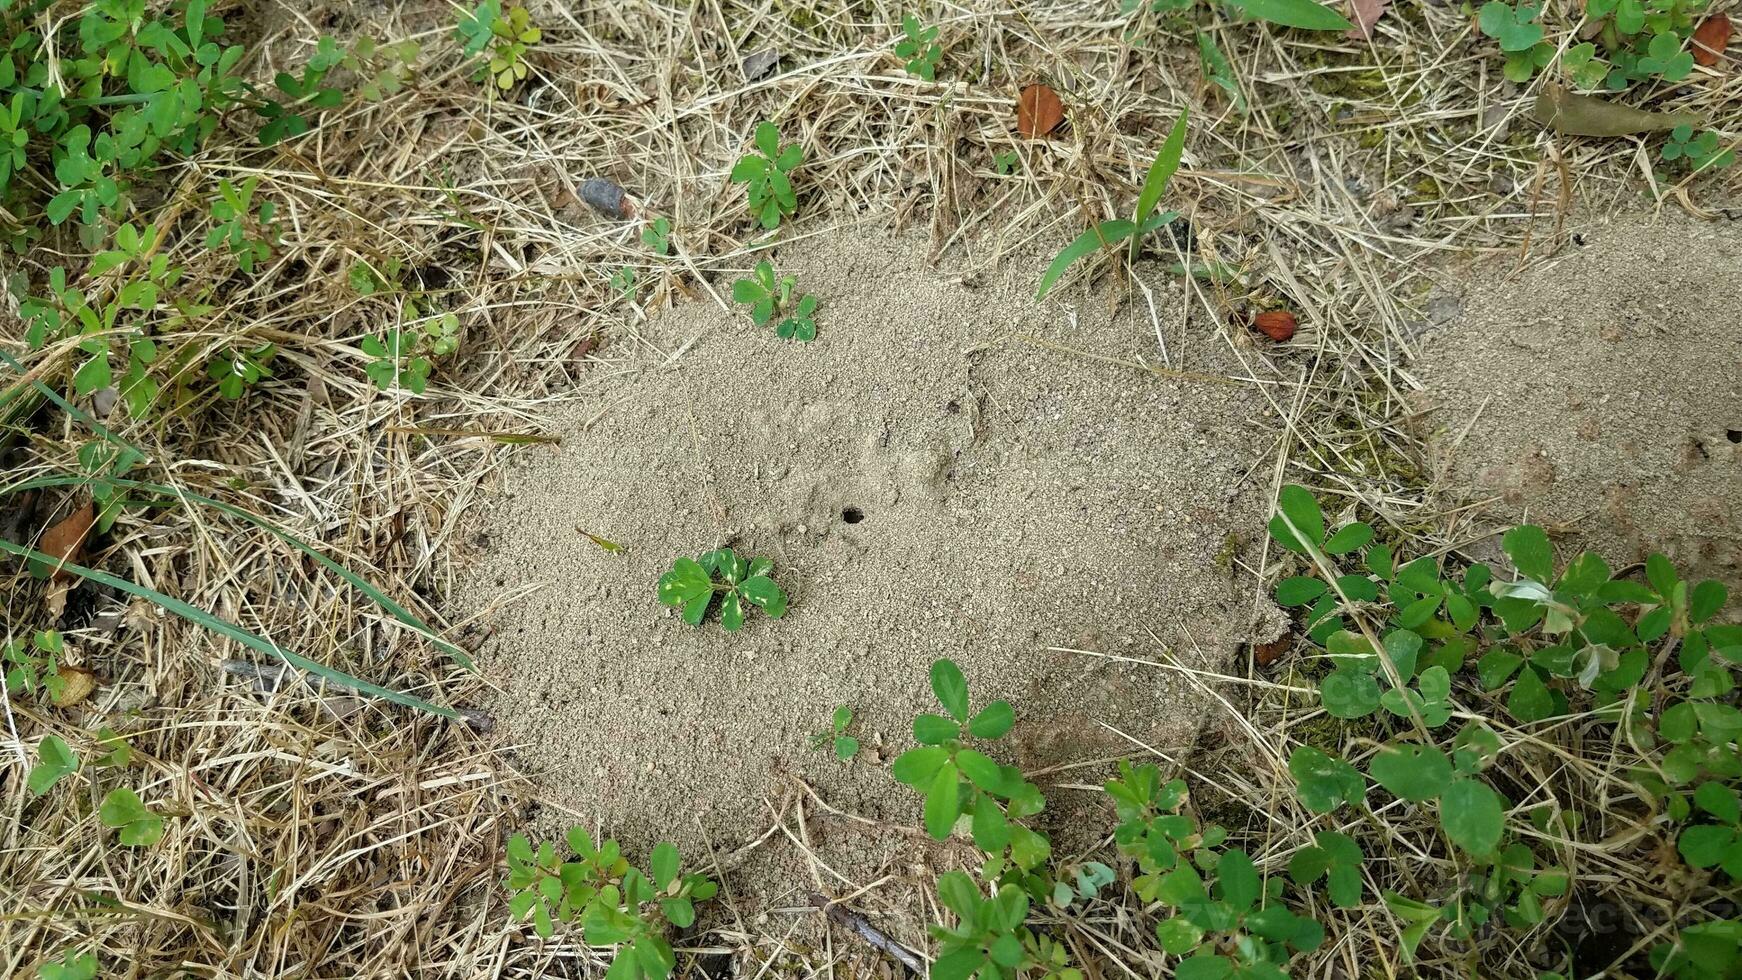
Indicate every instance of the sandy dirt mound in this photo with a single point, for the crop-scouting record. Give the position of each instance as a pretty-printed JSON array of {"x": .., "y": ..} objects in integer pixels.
[
  {"x": 1600, "y": 393},
  {"x": 929, "y": 482}
]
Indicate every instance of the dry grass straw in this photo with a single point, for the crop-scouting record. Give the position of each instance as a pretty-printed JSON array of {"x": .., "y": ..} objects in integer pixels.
[{"x": 305, "y": 844}]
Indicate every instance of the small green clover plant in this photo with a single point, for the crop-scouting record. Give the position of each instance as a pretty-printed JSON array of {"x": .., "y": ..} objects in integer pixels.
[
  {"x": 1520, "y": 34},
  {"x": 766, "y": 174},
  {"x": 1143, "y": 221},
  {"x": 767, "y": 297},
  {"x": 55, "y": 761},
  {"x": 835, "y": 736},
  {"x": 1698, "y": 153},
  {"x": 616, "y": 904},
  {"x": 692, "y": 584},
  {"x": 623, "y": 281},
  {"x": 919, "y": 49},
  {"x": 122, "y": 810},
  {"x": 1005, "y": 162}
]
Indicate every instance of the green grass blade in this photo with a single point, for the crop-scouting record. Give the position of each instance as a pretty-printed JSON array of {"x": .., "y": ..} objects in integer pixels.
[
  {"x": 1161, "y": 170},
  {"x": 1305, "y": 14},
  {"x": 1104, "y": 234},
  {"x": 253, "y": 641},
  {"x": 405, "y": 616}
]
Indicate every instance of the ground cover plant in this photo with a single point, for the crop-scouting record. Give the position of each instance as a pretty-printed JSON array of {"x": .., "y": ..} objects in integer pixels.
[
  {"x": 283, "y": 285},
  {"x": 693, "y": 584}
]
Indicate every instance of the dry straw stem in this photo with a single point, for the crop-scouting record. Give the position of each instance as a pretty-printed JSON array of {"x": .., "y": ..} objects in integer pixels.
[{"x": 300, "y": 844}]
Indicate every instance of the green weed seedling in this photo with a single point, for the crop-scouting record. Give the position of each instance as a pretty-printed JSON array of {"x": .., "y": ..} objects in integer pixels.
[
  {"x": 835, "y": 736},
  {"x": 1646, "y": 657},
  {"x": 102, "y": 465},
  {"x": 958, "y": 781},
  {"x": 123, "y": 811},
  {"x": 919, "y": 49},
  {"x": 615, "y": 904},
  {"x": 1304, "y": 14},
  {"x": 507, "y": 34},
  {"x": 236, "y": 369},
  {"x": 35, "y": 664},
  {"x": 395, "y": 362},
  {"x": 767, "y": 297},
  {"x": 692, "y": 585},
  {"x": 1143, "y": 218},
  {"x": 1169, "y": 849},
  {"x": 1005, "y": 162},
  {"x": 231, "y": 212},
  {"x": 990, "y": 937},
  {"x": 766, "y": 175},
  {"x": 657, "y": 236}
]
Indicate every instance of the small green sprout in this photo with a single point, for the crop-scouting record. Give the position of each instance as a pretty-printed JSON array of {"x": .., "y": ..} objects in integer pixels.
[
  {"x": 990, "y": 937},
  {"x": 767, "y": 296},
  {"x": 766, "y": 174},
  {"x": 1005, "y": 162},
  {"x": 1143, "y": 219},
  {"x": 919, "y": 49},
  {"x": 122, "y": 810},
  {"x": 624, "y": 281},
  {"x": 1698, "y": 152},
  {"x": 72, "y": 966},
  {"x": 657, "y": 236},
  {"x": 693, "y": 583},
  {"x": 835, "y": 736}
]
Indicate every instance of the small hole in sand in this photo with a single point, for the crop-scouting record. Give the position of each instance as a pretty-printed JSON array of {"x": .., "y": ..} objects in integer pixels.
[
  {"x": 954, "y": 408},
  {"x": 852, "y": 515},
  {"x": 1734, "y": 435}
]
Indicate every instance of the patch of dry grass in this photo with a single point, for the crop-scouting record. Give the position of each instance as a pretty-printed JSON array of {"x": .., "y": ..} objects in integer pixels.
[{"x": 313, "y": 835}]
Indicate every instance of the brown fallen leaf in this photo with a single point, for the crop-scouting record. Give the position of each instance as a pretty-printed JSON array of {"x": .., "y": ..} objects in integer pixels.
[
  {"x": 1038, "y": 111},
  {"x": 1366, "y": 13},
  {"x": 1278, "y": 325},
  {"x": 76, "y": 684},
  {"x": 1587, "y": 115},
  {"x": 1269, "y": 653},
  {"x": 66, "y": 539},
  {"x": 1711, "y": 38}
]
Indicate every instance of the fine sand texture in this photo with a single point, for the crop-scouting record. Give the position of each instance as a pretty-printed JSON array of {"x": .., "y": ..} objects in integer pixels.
[
  {"x": 1599, "y": 393},
  {"x": 948, "y": 470}
]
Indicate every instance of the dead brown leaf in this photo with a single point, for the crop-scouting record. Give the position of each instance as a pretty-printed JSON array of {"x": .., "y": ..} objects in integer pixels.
[
  {"x": 1711, "y": 38},
  {"x": 1038, "y": 111},
  {"x": 1269, "y": 653},
  {"x": 65, "y": 541},
  {"x": 1366, "y": 14}
]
